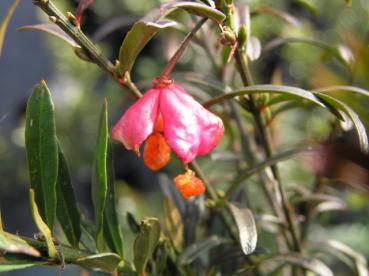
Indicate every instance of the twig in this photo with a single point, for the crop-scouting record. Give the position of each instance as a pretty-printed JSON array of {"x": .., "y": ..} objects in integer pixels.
[{"x": 70, "y": 28}]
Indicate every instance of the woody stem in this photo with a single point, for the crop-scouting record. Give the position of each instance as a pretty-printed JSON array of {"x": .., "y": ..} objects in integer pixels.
[{"x": 173, "y": 61}]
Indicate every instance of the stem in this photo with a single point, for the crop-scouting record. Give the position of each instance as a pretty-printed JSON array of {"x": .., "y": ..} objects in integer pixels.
[
  {"x": 86, "y": 44},
  {"x": 173, "y": 61},
  {"x": 246, "y": 77}
]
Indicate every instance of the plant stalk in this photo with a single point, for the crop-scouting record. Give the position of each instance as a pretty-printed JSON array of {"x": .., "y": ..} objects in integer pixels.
[{"x": 93, "y": 53}]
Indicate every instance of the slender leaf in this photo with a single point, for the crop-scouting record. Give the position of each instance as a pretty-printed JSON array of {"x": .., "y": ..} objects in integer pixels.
[
  {"x": 4, "y": 24},
  {"x": 112, "y": 230},
  {"x": 359, "y": 126},
  {"x": 42, "y": 226},
  {"x": 100, "y": 177},
  {"x": 42, "y": 151},
  {"x": 145, "y": 243},
  {"x": 14, "y": 244},
  {"x": 195, "y": 250},
  {"x": 107, "y": 262},
  {"x": 343, "y": 88},
  {"x": 202, "y": 10},
  {"x": 136, "y": 39},
  {"x": 246, "y": 228},
  {"x": 309, "y": 5},
  {"x": 6, "y": 266},
  {"x": 266, "y": 88},
  {"x": 67, "y": 210},
  {"x": 358, "y": 259},
  {"x": 312, "y": 264},
  {"x": 132, "y": 223},
  {"x": 51, "y": 29}
]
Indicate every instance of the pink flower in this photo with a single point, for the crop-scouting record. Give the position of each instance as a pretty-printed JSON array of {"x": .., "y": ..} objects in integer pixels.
[{"x": 189, "y": 129}]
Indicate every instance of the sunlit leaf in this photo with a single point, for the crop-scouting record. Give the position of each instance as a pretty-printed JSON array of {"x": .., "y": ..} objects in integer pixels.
[
  {"x": 51, "y": 29},
  {"x": 100, "y": 175},
  {"x": 82, "y": 6},
  {"x": 112, "y": 230},
  {"x": 4, "y": 24},
  {"x": 45, "y": 230},
  {"x": 136, "y": 39},
  {"x": 145, "y": 243},
  {"x": 42, "y": 151},
  {"x": 202, "y": 10},
  {"x": 195, "y": 250},
  {"x": 6, "y": 265},
  {"x": 246, "y": 228},
  {"x": 107, "y": 262},
  {"x": 14, "y": 244},
  {"x": 359, "y": 126},
  {"x": 67, "y": 210}
]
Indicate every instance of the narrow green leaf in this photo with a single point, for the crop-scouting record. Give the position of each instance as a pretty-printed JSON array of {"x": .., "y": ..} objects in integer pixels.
[
  {"x": 4, "y": 24},
  {"x": 309, "y": 5},
  {"x": 14, "y": 244},
  {"x": 67, "y": 210},
  {"x": 42, "y": 226},
  {"x": 107, "y": 262},
  {"x": 343, "y": 88},
  {"x": 100, "y": 177},
  {"x": 145, "y": 243},
  {"x": 136, "y": 39},
  {"x": 201, "y": 10},
  {"x": 112, "y": 230},
  {"x": 312, "y": 264},
  {"x": 294, "y": 92},
  {"x": 197, "y": 249},
  {"x": 246, "y": 228},
  {"x": 42, "y": 151},
  {"x": 51, "y": 29},
  {"x": 6, "y": 266},
  {"x": 358, "y": 259},
  {"x": 132, "y": 223},
  {"x": 359, "y": 126}
]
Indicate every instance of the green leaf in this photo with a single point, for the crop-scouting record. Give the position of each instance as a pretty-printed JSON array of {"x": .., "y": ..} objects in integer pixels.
[
  {"x": 107, "y": 262},
  {"x": 14, "y": 244},
  {"x": 343, "y": 88},
  {"x": 197, "y": 249},
  {"x": 42, "y": 151},
  {"x": 136, "y": 39},
  {"x": 145, "y": 243},
  {"x": 309, "y": 5},
  {"x": 201, "y": 10},
  {"x": 132, "y": 223},
  {"x": 293, "y": 92},
  {"x": 6, "y": 265},
  {"x": 356, "y": 257},
  {"x": 100, "y": 177},
  {"x": 4, "y": 24},
  {"x": 45, "y": 230},
  {"x": 51, "y": 29},
  {"x": 67, "y": 210},
  {"x": 312, "y": 264},
  {"x": 358, "y": 125},
  {"x": 246, "y": 228},
  {"x": 281, "y": 14},
  {"x": 112, "y": 230}
]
